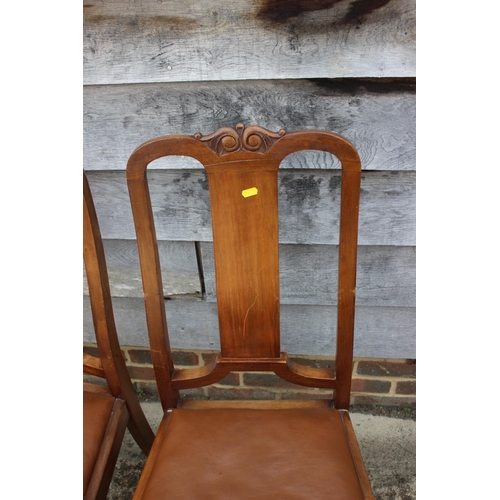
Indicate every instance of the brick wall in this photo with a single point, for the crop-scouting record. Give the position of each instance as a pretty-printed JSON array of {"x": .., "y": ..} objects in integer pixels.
[{"x": 386, "y": 382}]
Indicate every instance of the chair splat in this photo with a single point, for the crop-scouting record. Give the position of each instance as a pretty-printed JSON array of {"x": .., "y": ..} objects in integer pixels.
[{"x": 245, "y": 232}]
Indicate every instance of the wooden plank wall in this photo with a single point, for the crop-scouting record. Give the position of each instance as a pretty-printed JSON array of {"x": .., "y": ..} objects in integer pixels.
[{"x": 158, "y": 67}]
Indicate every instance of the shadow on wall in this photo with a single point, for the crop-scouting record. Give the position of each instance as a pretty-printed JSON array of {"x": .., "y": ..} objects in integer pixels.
[{"x": 280, "y": 11}]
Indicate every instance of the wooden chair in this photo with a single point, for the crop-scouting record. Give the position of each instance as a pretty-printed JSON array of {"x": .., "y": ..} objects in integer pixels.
[
  {"x": 249, "y": 449},
  {"x": 107, "y": 410}
]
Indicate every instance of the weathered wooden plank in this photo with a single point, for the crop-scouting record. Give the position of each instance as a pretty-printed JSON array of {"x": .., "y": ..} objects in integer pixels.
[
  {"x": 377, "y": 117},
  {"x": 179, "y": 268},
  {"x": 175, "y": 256},
  {"x": 308, "y": 206},
  {"x": 308, "y": 275},
  {"x": 387, "y": 332},
  {"x": 168, "y": 41},
  {"x": 125, "y": 282}
]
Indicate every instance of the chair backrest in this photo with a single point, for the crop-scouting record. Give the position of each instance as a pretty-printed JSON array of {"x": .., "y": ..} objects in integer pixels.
[
  {"x": 110, "y": 364},
  {"x": 242, "y": 167}
]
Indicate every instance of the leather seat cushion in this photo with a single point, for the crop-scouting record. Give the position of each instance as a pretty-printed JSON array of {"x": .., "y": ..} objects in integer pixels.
[
  {"x": 250, "y": 454},
  {"x": 97, "y": 409}
]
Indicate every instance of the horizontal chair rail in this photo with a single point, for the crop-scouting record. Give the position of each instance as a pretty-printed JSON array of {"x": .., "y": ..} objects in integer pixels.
[
  {"x": 92, "y": 365},
  {"x": 284, "y": 367}
]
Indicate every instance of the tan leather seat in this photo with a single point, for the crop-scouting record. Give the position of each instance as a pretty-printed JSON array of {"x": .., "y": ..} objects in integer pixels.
[
  {"x": 254, "y": 454},
  {"x": 97, "y": 411}
]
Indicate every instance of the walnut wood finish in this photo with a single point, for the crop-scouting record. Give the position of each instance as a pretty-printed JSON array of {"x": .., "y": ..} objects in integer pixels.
[
  {"x": 283, "y": 367},
  {"x": 110, "y": 364},
  {"x": 242, "y": 166},
  {"x": 263, "y": 404},
  {"x": 107, "y": 432},
  {"x": 92, "y": 365},
  {"x": 356, "y": 454},
  {"x": 245, "y": 232}
]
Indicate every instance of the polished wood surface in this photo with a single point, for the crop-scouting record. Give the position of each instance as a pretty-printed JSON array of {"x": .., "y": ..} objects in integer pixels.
[
  {"x": 109, "y": 447},
  {"x": 109, "y": 365},
  {"x": 92, "y": 365},
  {"x": 113, "y": 364},
  {"x": 242, "y": 166},
  {"x": 282, "y": 404},
  {"x": 356, "y": 455},
  {"x": 283, "y": 366},
  {"x": 245, "y": 229}
]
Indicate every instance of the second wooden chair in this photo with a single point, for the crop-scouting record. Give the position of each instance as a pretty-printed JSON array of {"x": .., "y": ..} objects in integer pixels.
[{"x": 108, "y": 409}]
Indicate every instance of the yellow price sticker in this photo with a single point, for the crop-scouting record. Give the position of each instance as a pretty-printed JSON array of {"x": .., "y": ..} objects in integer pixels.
[{"x": 250, "y": 192}]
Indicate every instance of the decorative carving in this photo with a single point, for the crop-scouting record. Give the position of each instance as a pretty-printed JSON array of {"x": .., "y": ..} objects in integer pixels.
[{"x": 254, "y": 139}]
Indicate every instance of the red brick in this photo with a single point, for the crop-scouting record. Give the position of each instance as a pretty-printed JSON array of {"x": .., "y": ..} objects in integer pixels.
[
  {"x": 314, "y": 363},
  {"x": 368, "y": 385},
  {"x": 269, "y": 380},
  {"x": 408, "y": 387},
  {"x": 231, "y": 379},
  {"x": 185, "y": 358},
  {"x": 208, "y": 357},
  {"x": 141, "y": 356},
  {"x": 238, "y": 393},
  {"x": 376, "y": 368},
  {"x": 291, "y": 395},
  {"x": 141, "y": 372}
]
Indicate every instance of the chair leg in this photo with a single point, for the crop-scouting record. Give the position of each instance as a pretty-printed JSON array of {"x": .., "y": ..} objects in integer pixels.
[
  {"x": 140, "y": 429},
  {"x": 357, "y": 458}
]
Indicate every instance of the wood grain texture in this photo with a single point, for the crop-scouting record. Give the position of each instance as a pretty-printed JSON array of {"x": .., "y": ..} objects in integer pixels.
[
  {"x": 125, "y": 282},
  {"x": 193, "y": 404},
  {"x": 240, "y": 161},
  {"x": 308, "y": 206},
  {"x": 286, "y": 368},
  {"x": 102, "y": 473},
  {"x": 385, "y": 332},
  {"x": 378, "y": 117},
  {"x": 168, "y": 41},
  {"x": 179, "y": 269},
  {"x": 175, "y": 256},
  {"x": 110, "y": 365},
  {"x": 356, "y": 455},
  {"x": 92, "y": 365},
  {"x": 246, "y": 260},
  {"x": 155, "y": 449}
]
